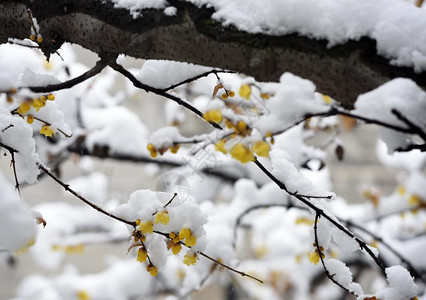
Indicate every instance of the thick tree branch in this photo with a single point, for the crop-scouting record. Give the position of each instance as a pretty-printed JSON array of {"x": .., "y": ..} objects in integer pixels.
[{"x": 193, "y": 36}]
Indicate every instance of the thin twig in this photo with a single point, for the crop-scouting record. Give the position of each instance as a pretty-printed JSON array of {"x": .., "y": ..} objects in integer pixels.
[
  {"x": 82, "y": 151},
  {"x": 390, "y": 248},
  {"x": 160, "y": 92},
  {"x": 205, "y": 74},
  {"x": 13, "y": 162},
  {"x": 361, "y": 243},
  {"x": 230, "y": 268},
  {"x": 68, "y": 189},
  {"x": 410, "y": 124},
  {"x": 330, "y": 276}
]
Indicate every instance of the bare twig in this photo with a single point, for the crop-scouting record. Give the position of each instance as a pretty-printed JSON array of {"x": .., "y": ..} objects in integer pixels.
[
  {"x": 82, "y": 151},
  {"x": 230, "y": 268},
  {"x": 317, "y": 210},
  {"x": 68, "y": 189},
  {"x": 205, "y": 74},
  {"x": 330, "y": 276},
  {"x": 419, "y": 131},
  {"x": 13, "y": 162},
  {"x": 411, "y": 268},
  {"x": 160, "y": 92}
]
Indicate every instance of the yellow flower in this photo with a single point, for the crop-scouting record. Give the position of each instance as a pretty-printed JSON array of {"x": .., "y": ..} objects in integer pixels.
[
  {"x": 220, "y": 146},
  {"x": 401, "y": 190},
  {"x": 162, "y": 217},
  {"x": 146, "y": 227},
  {"x": 265, "y": 96},
  {"x": 50, "y": 97},
  {"x": 30, "y": 119},
  {"x": 184, "y": 233},
  {"x": 314, "y": 257},
  {"x": 190, "y": 259},
  {"x": 142, "y": 255},
  {"x": 245, "y": 91},
  {"x": 304, "y": 220},
  {"x": 83, "y": 295},
  {"x": 231, "y": 93},
  {"x": 152, "y": 270},
  {"x": 414, "y": 200},
  {"x": 327, "y": 99},
  {"x": 47, "y": 131},
  {"x": 190, "y": 241},
  {"x": 214, "y": 115},
  {"x": 242, "y": 153},
  {"x": 224, "y": 96},
  {"x": 24, "y": 107},
  {"x": 39, "y": 103},
  {"x": 174, "y": 149},
  {"x": 261, "y": 148},
  {"x": 152, "y": 150},
  {"x": 176, "y": 248}
]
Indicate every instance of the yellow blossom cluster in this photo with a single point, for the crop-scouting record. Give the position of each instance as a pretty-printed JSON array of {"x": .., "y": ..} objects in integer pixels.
[
  {"x": 37, "y": 103},
  {"x": 176, "y": 239},
  {"x": 46, "y": 130},
  {"x": 314, "y": 256},
  {"x": 153, "y": 151},
  {"x": 245, "y": 91},
  {"x": 214, "y": 115},
  {"x": 162, "y": 217},
  {"x": 190, "y": 259},
  {"x": 240, "y": 127},
  {"x": 227, "y": 94}
]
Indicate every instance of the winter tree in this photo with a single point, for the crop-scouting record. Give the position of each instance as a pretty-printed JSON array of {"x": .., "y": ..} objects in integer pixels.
[{"x": 232, "y": 184}]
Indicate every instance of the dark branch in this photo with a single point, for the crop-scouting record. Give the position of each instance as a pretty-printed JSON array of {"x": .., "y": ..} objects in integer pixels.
[
  {"x": 100, "y": 65},
  {"x": 83, "y": 151},
  {"x": 192, "y": 35}
]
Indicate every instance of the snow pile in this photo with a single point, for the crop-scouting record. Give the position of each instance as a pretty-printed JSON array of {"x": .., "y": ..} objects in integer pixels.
[
  {"x": 17, "y": 134},
  {"x": 398, "y": 26},
  {"x": 163, "y": 73},
  {"x": 401, "y": 96},
  {"x": 285, "y": 171},
  {"x": 294, "y": 99},
  {"x": 17, "y": 227}
]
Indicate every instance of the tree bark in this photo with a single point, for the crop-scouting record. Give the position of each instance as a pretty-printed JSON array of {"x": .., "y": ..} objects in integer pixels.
[{"x": 342, "y": 72}]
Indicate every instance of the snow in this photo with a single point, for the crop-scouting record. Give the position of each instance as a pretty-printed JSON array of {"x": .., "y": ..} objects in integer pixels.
[
  {"x": 165, "y": 137},
  {"x": 117, "y": 128},
  {"x": 401, "y": 283},
  {"x": 294, "y": 99},
  {"x": 398, "y": 27},
  {"x": 401, "y": 94},
  {"x": 342, "y": 274},
  {"x": 20, "y": 138},
  {"x": 162, "y": 73},
  {"x": 17, "y": 227},
  {"x": 170, "y": 11},
  {"x": 285, "y": 171}
]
